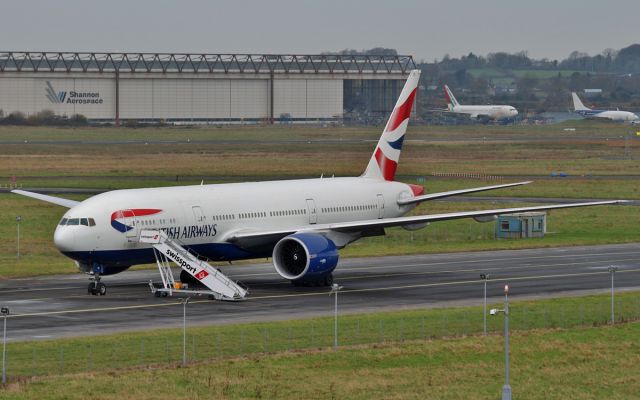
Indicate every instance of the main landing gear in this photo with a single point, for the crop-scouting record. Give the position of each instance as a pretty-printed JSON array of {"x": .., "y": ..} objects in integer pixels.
[
  {"x": 324, "y": 280},
  {"x": 96, "y": 287}
]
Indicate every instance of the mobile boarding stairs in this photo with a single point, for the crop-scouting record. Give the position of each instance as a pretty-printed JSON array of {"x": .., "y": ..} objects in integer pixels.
[{"x": 220, "y": 287}]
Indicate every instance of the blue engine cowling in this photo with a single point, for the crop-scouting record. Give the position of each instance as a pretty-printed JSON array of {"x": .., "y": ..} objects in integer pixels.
[{"x": 303, "y": 256}]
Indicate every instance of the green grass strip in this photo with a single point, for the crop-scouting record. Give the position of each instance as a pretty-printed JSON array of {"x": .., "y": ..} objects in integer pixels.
[{"x": 127, "y": 350}]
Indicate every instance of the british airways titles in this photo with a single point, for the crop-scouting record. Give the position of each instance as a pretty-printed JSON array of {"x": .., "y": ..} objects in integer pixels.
[{"x": 191, "y": 231}]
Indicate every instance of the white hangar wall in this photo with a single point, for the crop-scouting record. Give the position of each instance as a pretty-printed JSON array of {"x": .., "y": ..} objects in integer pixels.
[
  {"x": 29, "y": 95},
  {"x": 173, "y": 99}
]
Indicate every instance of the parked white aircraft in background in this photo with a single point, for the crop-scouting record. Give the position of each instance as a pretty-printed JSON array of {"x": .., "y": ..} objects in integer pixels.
[
  {"x": 614, "y": 115},
  {"x": 481, "y": 112},
  {"x": 301, "y": 224}
]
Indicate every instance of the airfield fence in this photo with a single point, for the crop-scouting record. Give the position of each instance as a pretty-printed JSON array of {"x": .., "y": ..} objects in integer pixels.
[{"x": 164, "y": 347}]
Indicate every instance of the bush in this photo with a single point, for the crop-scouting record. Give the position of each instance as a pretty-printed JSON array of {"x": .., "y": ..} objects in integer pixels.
[
  {"x": 44, "y": 117},
  {"x": 15, "y": 118},
  {"x": 131, "y": 123},
  {"x": 78, "y": 119}
]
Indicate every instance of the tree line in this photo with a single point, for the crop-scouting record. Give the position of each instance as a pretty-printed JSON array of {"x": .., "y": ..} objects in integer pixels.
[
  {"x": 626, "y": 60},
  {"x": 44, "y": 117}
]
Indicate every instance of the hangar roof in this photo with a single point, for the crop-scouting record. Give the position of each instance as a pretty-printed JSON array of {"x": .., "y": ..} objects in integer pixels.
[{"x": 20, "y": 61}]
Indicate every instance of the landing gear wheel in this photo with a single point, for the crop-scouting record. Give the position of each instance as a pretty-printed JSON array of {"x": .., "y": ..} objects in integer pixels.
[
  {"x": 328, "y": 280},
  {"x": 101, "y": 289},
  {"x": 96, "y": 287}
]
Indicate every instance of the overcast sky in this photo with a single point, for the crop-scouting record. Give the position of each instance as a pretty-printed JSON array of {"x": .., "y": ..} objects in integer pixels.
[{"x": 424, "y": 29}]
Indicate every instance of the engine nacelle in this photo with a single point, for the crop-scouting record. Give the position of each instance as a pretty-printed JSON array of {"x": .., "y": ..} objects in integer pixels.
[
  {"x": 305, "y": 256},
  {"x": 486, "y": 218},
  {"x": 415, "y": 227}
]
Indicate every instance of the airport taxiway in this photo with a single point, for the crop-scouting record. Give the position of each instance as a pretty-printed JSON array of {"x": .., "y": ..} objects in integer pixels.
[{"x": 59, "y": 306}]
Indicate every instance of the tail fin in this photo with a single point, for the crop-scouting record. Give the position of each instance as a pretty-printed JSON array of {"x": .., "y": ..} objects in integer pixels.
[
  {"x": 451, "y": 99},
  {"x": 577, "y": 104},
  {"x": 384, "y": 161}
]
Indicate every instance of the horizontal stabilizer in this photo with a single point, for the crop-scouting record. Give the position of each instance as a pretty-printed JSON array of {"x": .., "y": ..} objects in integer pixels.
[{"x": 441, "y": 195}]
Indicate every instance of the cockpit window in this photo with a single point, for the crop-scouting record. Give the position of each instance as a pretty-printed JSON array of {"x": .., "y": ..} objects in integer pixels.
[{"x": 78, "y": 221}]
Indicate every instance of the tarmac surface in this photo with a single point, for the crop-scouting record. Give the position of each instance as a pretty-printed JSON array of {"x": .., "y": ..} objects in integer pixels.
[{"x": 59, "y": 306}]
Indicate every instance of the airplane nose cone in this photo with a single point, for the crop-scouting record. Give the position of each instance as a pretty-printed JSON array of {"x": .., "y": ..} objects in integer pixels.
[{"x": 64, "y": 239}]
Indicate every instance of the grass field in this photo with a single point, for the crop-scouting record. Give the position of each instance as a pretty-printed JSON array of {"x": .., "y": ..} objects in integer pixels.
[
  {"x": 592, "y": 149},
  {"x": 587, "y": 363},
  {"x": 432, "y": 353},
  {"x": 415, "y": 354}
]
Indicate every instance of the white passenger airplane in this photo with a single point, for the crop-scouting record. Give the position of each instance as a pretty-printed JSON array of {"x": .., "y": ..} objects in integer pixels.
[
  {"x": 613, "y": 115},
  {"x": 301, "y": 224},
  {"x": 480, "y": 112}
]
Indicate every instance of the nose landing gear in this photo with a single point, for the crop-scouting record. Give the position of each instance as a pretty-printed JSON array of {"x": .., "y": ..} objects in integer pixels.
[{"x": 96, "y": 287}]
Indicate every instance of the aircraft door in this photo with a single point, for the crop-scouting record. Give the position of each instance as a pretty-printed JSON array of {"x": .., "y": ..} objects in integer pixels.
[
  {"x": 380, "y": 206},
  {"x": 197, "y": 214},
  {"x": 129, "y": 219},
  {"x": 313, "y": 214}
]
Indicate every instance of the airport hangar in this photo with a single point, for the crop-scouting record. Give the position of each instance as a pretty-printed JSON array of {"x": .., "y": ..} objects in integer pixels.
[{"x": 200, "y": 88}]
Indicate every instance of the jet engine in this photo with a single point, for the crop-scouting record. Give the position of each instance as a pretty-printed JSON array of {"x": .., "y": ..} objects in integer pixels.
[{"x": 306, "y": 258}]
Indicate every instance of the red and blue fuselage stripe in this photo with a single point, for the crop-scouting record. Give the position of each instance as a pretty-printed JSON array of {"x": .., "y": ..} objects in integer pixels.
[{"x": 136, "y": 212}]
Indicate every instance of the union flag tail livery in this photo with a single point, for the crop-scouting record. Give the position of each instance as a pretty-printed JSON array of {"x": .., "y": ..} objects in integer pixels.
[{"x": 385, "y": 158}]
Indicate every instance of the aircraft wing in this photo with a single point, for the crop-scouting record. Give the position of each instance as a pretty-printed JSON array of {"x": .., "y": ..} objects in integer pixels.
[
  {"x": 433, "y": 196},
  {"x": 438, "y": 110},
  {"x": 49, "y": 199},
  {"x": 241, "y": 237}
]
